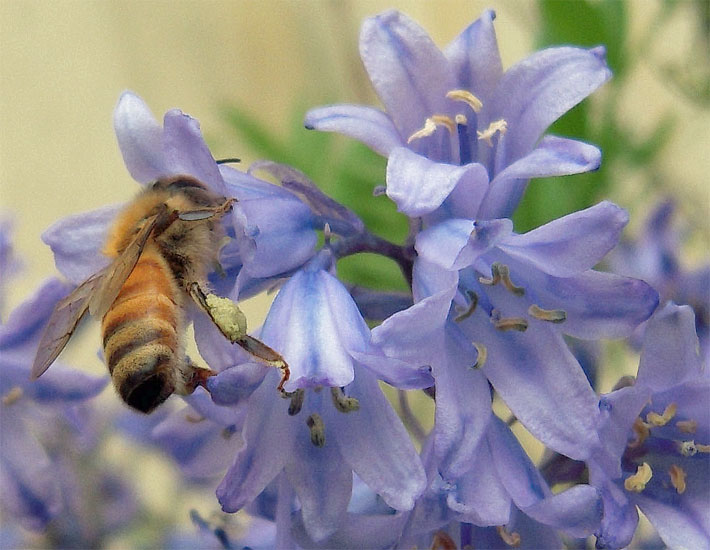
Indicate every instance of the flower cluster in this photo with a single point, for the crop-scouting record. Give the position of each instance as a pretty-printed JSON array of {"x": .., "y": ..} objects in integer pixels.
[{"x": 321, "y": 459}]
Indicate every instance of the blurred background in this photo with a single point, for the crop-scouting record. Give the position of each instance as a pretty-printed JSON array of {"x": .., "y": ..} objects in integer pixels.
[{"x": 249, "y": 70}]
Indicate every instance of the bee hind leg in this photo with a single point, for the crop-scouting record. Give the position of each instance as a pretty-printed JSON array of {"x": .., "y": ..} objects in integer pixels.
[{"x": 231, "y": 322}]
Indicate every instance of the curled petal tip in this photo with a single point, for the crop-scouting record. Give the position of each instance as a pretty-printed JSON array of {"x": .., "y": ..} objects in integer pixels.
[{"x": 599, "y": 52}]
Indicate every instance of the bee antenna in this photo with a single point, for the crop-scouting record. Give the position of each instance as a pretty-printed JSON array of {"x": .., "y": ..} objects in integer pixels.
[{"x": 228, "y": 160}]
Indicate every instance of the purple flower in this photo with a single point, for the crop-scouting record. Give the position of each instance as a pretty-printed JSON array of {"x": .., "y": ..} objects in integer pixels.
[
  {"x": 29, "y": 484},
  {"x": 336, "y": 419},
  {"x": 654, "y": 257},
  {"x": 656, "y": 440},
  {"x": 500, "y": 501},
  {"x": 454, "y": 121},
  {"x": 514, "y": 297},
  {"x": 272, "y": 229}
]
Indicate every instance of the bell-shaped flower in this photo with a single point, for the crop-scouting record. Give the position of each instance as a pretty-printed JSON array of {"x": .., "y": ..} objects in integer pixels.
[
  {"x": 514, "y": 297},
  {"x": 272, "y": 232},
  {"x": 654, "y": 256},
  {"x": 458, "y": 114},
  {"x": 656, "y": 440},
  {"x": 29, "y": 484},
  {"x": 500, "y": 501},
  {"x": 333, "y": 418}
]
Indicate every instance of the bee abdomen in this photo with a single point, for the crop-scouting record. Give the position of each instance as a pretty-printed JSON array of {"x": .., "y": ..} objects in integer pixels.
[{"x": 141, "y": 335}]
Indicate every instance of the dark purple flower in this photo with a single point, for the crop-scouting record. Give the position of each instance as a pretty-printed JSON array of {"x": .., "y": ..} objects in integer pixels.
[
  {"x": 336, "y": 420},
  {"x": 656, "y": 440},
  {"x": 454, "y": 121}
]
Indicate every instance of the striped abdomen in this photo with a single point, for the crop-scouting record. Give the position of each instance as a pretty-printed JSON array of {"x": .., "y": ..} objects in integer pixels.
[{"x": 141, "y": 334}]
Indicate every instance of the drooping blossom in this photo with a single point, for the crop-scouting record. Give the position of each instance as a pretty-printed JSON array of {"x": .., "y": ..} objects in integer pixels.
[
  {"x": 335, "y": 419},
  {"x": 656, "y": 440}
]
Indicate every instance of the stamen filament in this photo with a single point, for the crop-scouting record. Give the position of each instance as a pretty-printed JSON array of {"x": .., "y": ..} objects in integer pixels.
[
  {"x": 317, "y": 427},
  {"x": 677, "y": 478},
  {"x": 467, "y": 97},
  {"x": 550, "y": 315},
  {"x": 500, "y": 126},
  {"x": 658, "y": 420},
  {"x": 464, "y": 144},
  {"x": 638, "y": 481}
]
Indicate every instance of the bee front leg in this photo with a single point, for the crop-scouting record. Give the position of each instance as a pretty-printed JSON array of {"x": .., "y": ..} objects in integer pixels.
[{"x": 232, "y": 322}]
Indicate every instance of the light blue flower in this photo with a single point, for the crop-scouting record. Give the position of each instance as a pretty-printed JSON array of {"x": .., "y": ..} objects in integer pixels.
[
  {"x": 335, "y": 422},
  {"x": 454, "y": 121}
]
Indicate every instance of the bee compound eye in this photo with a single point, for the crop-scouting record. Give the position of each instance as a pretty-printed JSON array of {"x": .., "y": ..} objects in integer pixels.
[{"x": 146, "y": 394}]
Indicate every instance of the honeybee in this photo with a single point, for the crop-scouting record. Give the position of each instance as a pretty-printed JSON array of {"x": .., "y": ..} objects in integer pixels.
[{"x": 163, "y": 245}]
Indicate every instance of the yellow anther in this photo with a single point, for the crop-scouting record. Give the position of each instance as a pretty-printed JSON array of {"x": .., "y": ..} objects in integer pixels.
[
  {"x": 443, "y": 120},
  {"x": 461, "y": 120},
  {"x": 430, "y": 125},
  {"x": 702, "y": 448},
  {"x": 550, "y": 315},
  {"x": 194, "y": 419},
  {"x": 511, "y": 323},
  {"x": 442, "y": 541},
  {"x": 511, "y": 539},
  {"x": 317, "y": 427},
  {"x": 677, "y": 478},
  {"x": 494, "y": 280},
  {"x": 687, "y": 426},
  {"x": 638, "y": 481},
  {"x": 428, "y": 129},
  {"x": 342, "y": 402},
  {"x": 12, "y": 396},
  {"x": 467, "y": 97},
  {"x": 482, "y": 355},
  {"x": 500, "y": 126},
  {"x": 642, "y": 432},
  {"x": 465, "y": 313},
  {"x": 658, "y": 420},
  {"x": 687, "y": 448},
  {"x": 507, "y": 283},
  {"x": 297, "y": 397}
]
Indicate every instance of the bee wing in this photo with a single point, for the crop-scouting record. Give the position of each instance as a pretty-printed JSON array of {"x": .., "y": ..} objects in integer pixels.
[
  {"x": 121, "y": 268},
  {"x": 64, "y": 319}
]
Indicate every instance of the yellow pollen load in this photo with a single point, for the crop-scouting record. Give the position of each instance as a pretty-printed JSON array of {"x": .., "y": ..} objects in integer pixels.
[
  {"x": 467, "y": 97},
  {"x": 12, "y": 396},
  {"x": 638, "y": 481},
  {"x": 641, "y": 429},
  {"x": 500, "y": 126},
  {"x": 482, "y": 355},
  {"x": 687, "y": 426},
  {"x": 658, "y": 420},
  {"x": 677, "y": 478},
  {"x": 511, "y": 539}
]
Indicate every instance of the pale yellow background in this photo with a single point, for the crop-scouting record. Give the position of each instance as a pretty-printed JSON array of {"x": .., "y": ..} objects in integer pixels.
[{"x": 63, "y": 65}]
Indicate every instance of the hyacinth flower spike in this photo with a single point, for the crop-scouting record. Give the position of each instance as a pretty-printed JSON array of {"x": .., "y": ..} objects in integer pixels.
[{"x": 656, "y": 435}]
